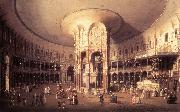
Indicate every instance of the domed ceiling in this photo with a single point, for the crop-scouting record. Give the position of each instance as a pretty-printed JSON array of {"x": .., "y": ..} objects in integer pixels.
[{"x": 55, "y": 20}]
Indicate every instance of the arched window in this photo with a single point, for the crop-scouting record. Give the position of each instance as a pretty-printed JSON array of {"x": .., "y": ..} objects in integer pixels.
[
  {"x": 166, "y": 37},
  {"x": 131, "y": 49},
  {"x": 176, "y": 31},
  {"x": 119, "y": 52},
  {"x": 137, "y": 48},
  {"x": 114, "y": 53},
  {"x": 126, "y": 51},
  {"x": 70, "y": 56}
]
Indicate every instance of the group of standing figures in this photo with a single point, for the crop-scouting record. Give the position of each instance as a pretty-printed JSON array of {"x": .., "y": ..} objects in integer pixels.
[
  {"x": 27, "y": 96},
  {"x": 22, "y": 97},
  {"x": 68, "y": 96}
]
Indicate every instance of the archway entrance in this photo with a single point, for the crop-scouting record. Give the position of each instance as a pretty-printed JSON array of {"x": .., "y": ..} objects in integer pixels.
[
  {"x": 144, "y": 75},
  {"x": 114, "y": 77},
  {"x": 70, "y": 73},
  {"x": 97, "y": 72}
]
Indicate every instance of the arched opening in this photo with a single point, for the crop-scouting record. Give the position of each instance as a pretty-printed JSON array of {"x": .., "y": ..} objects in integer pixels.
[
  {"x": 114, "y": 77},
  {"x": 137, "y": 77},
  {"x": 42, "y": 78},
  {"x": 144, "y": 75},
  {"x": 47, "y": 77},
  {"x": 70, "y": 56},
  {"x": 126, "y": 78},
  {"x": 70, "y": 73},
  {"x": 131, "y": 78},
  {"x": 83, "y": 68},
  {"x": 97, "y": 68},
  {"x": 120, "y": 75}
]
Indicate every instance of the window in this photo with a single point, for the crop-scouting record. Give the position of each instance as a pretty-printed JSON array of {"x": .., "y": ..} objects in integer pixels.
[
  {"x": 114, "y": 53},
  {"x": 114, "y": 64},
  {"x": 70, "y": 56},
  {"x": 126, "y": 51},
  {"x": 131, "y": 49},
  {"x": 166, "y": 37},
  {"x": 176, "y": 32},
  {"x": 137, "y": 48},
  {"x": 119, "y": 52},
  {"x": 156, "y": 41},
  {"x": 150, "y": 44}
]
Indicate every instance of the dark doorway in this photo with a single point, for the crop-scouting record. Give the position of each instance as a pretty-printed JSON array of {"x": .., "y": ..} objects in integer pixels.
[{"x": 70, "y": 73}]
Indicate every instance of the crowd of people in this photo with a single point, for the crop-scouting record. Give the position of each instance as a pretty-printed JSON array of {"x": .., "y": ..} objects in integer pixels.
[
  {"x": 32, "y": 96},
  {"x": 170, "y": 95},
  {"x": 22, "y": 96},
  {"x": 66, "y": 96}
]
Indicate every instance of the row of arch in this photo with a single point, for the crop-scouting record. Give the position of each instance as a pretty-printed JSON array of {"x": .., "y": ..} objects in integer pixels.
[
  {"x": 34, "y": 78},
  {"x": 131, "y": 77}
]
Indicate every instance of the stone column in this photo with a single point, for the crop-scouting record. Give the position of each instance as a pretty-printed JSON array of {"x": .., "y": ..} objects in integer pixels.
[
  {"x": 111, "y": 77},
  {"x": 7, "y": 81},
  {"x": 118, "y": 72},
  {"x": 87, "y": 78},
  {"x": 178, "y": 67},
  {"x": 49, "y": 75},
  {"x": 147, "y": 73},
  {"x": 86, "y": 74},
  {"x": 43, "y": 78},
  {"x": 79, "y": 71},
  {"x": 134, "y": 78},
  {"x": 123, "y": 77},
  {"x": 105, "y": 71}
]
